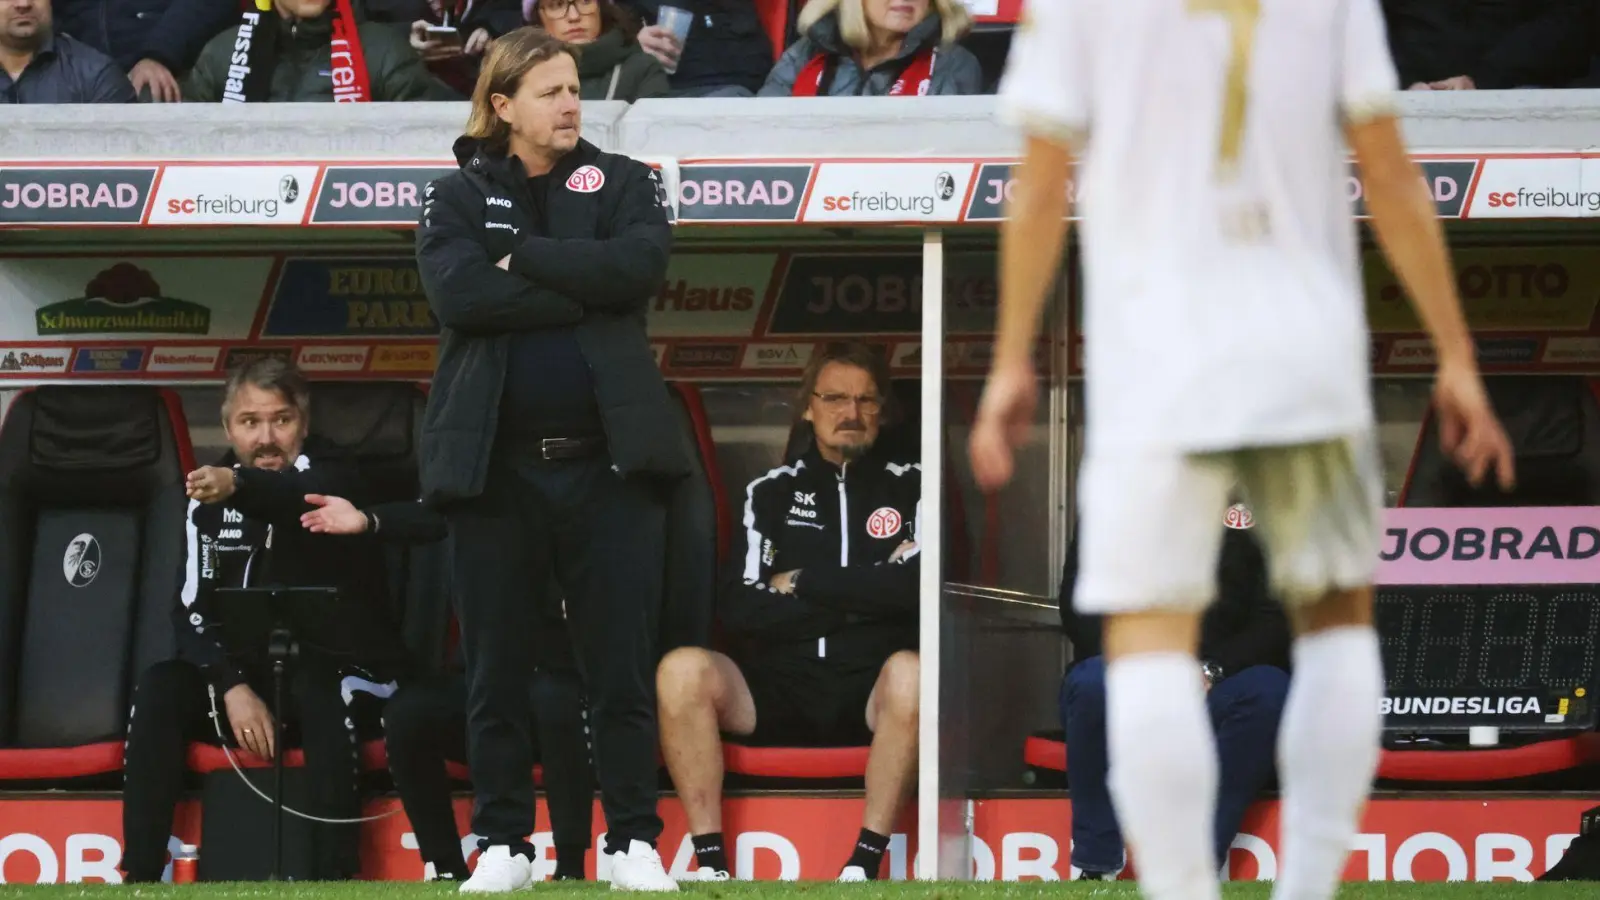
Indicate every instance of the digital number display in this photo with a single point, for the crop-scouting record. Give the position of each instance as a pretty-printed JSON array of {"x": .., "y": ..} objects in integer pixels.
[{"x": 1518, "y": 657}]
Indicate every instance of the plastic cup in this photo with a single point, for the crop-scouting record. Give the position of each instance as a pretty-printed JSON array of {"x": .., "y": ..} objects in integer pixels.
[{"x": 677, "y": 21}]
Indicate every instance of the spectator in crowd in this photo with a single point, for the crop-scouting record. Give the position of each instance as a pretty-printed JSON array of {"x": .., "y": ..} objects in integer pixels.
[
  {"x": 612, "y": 65},
  {"x": 726, "y": 52},
  {"x": 244, "y": 530},
  {"x": 38, "y": 65},
  {"x": 1245, "y": 644},
  {"x": 550, "y": 440},
  {"x": 878, "y": 48},
  {"x": 425, "y": 722},
  {"x": 1464, "y": 45},
  {"x": 290, "y": 58},
  {"x": 155, "y": 41},
  {"x": 453, "y": 57},
  {"x": 822, "y": 606}
]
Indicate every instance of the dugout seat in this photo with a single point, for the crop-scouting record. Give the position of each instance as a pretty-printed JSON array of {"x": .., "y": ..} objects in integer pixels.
[
  {"x": 699, "y": 530},
  {"x": 1554, "y": 426},
  {"x": 91, "y": 560},
  {"x": 1046, "y": 751}
]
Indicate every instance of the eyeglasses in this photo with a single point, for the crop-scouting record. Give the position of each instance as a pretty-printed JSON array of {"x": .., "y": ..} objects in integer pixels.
[
  {"x": 867, "y": 403},
  {"x": 557, "y": 9}
]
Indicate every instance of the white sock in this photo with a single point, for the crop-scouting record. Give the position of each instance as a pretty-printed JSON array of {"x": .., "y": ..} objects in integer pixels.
[
  {"x": 1163, "y": 775},
  {"x": 1327, "y": 755}
]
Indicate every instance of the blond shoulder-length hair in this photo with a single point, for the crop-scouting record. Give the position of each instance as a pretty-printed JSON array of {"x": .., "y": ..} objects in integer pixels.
[
  {"x": 508, "y": 60},
  {"x": 953, "y": 16}
]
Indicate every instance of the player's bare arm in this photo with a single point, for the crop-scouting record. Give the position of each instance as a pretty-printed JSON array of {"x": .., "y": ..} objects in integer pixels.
[
  {"x": 1407, "y": 227},
  {"x": 1031, "y": 242}
]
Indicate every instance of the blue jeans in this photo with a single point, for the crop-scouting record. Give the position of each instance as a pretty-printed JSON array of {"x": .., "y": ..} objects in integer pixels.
[{"x": 1245, "y": 709}]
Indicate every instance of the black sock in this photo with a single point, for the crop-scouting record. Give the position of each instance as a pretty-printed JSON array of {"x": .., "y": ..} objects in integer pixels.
[
  {"x": 868, "y": 854},
  {"x": 616, "y": 843},
  {"x": 710, "y": 852},
  {"x": 570, "y": 861},
  {"x": 518, "y": 848}
]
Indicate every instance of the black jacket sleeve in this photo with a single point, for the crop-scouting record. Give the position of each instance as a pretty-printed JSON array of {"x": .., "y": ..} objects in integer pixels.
[
  {"x": 498, "y": 16},
  {"x": 279, "y": 497},
  {"x": 1427, "y": 39},
  {"x": 184, "y": 29},
  {"x": 109, "y": 84},
  {"x": 191, "y": 615},
  {"x": 887, "y": 589},
  {"x": 467, "y": 291},
  {"x": 1547, "y": 50},
  {"x": 617, "y": 273},
  {"x": 747, "y": 607},
  {"x": 404, "y": 521}
]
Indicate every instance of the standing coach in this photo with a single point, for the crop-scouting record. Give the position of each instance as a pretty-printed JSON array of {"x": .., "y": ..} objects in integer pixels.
[{"x": 550, "y": 439}]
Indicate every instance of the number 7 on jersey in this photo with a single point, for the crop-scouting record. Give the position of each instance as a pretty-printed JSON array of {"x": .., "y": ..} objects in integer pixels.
[{"x": 1241, "y": 16}]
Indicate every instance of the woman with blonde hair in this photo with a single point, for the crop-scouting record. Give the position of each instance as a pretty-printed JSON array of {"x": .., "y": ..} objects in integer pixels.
[{"x": 878, "y": 48}]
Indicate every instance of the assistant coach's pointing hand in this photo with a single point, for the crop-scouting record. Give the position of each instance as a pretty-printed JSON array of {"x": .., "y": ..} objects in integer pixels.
[
  {"x": 211, "y": 484},
  {"x": 333, "y": 515}
]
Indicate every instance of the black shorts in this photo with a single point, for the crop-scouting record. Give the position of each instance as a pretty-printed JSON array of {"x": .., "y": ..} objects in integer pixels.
[{"x": 807, "y": 712}]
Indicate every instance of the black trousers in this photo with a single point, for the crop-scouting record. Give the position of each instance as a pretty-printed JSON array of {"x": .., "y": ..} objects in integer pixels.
[
  {"x": 425, "y": 725},
  {"x": 601, "y": 538},
  {"x": 171, "y": 708}
]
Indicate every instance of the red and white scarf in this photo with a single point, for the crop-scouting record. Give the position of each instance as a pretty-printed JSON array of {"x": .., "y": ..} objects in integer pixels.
[
  {"x": 255, "y": 55},
  {"x": 915, "y": 79}
]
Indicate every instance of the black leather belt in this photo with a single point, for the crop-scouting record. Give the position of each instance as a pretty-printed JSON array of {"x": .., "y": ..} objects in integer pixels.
[
  {"x": 570, "y": 447},
  {"x": 537, "y": 446}
]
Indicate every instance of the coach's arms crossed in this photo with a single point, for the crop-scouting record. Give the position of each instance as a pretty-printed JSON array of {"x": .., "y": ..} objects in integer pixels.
[
  {"x": 616, "y": 274},
  {"x": 1406, "y": 222},
  {"x": 468, "y": 292}
]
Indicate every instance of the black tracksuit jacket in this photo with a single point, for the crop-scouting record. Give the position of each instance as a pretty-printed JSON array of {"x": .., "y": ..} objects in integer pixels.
[
  {"x": 593, "y": 264},
  {"x": 852, "y": 608},
  {"x": 255, "y": 539}
]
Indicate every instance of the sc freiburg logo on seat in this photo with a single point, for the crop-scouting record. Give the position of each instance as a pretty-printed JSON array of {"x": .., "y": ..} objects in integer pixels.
[{"x": 82, "y": 560}]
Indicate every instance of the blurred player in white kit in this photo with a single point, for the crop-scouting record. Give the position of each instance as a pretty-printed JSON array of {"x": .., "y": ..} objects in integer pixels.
[{"x": 1226, "y": 345}]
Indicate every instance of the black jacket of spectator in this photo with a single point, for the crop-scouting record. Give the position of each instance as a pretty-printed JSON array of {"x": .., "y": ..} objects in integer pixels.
[
  {"x": 1245, "y": 626},
  {"x": 65, "y": 70},
  {"x": 171, "y": 32},
  {"x": 497, "y": 16},
  {"x": 726, "y": 46},
  {"x": 302, "y": 72},
  {"x": 1500, "y": 44},
  {"x": 851, "y": 607},
  {"x": 255, "y": 539},
  {"x": 603, "y": 261}
]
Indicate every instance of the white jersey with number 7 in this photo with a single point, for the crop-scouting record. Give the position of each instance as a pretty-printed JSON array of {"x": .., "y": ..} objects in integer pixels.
[{"x": 1223, "y": 303}]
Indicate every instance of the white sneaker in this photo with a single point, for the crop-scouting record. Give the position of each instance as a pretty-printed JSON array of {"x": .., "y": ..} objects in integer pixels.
[
  {"x": 639, "y": 869},
  {"x": 852, "y": 874},
  {"x": 499, "y": 871},
  {"x": 705, "y": 874}
]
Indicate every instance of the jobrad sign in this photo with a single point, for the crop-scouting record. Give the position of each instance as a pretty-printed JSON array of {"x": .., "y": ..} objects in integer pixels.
[{"x": 1530, "y": 545}]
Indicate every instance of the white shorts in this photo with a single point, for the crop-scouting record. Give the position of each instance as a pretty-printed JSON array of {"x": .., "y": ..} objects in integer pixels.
[{"x": 1152, "y": 523}]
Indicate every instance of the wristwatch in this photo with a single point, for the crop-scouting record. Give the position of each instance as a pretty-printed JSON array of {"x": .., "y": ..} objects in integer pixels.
[
  {"x": 794, "y": 581},
  {"x": 1212, "y": 672}
]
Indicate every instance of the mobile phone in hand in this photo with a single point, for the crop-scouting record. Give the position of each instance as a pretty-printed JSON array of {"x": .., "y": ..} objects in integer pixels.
[{"x": 444, "y": 34}]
